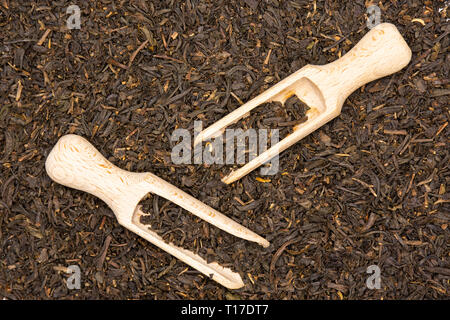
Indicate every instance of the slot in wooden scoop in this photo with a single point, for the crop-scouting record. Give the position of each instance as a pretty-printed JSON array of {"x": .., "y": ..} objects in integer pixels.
[
  {"x": 75, "y": 163},
  {"x": 381, "y": 52}
]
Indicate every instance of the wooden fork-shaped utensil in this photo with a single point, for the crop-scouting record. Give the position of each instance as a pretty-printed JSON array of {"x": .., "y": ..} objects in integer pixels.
[
  {"x": 75, "y": 163},
  {"x": 381, "y": 52}
]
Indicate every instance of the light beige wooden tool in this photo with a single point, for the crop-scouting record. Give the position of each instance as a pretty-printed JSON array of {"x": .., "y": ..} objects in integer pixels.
[
  {"x": 75, "y": 163},
  {"x": 381, "y": 52}
]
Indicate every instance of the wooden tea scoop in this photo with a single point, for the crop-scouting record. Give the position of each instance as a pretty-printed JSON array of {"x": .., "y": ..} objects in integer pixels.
[
  {"x": 75, "y": 163},
  {"x": 381, "y": 52}
]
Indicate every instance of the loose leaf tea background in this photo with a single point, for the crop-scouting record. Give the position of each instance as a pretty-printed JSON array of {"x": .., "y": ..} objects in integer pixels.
[{"x": 368, "y": 188}]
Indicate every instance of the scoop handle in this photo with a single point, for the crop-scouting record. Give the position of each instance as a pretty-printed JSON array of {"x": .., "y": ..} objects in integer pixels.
[
  {"x": 76, "y": 163},
  {"x": 381, "y": 52}
]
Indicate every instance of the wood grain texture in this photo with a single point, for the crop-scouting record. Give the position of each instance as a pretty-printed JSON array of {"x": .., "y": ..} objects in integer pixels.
[
  {"x": 76, "y": 163},
  {"x": 381, "y": 52}
]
